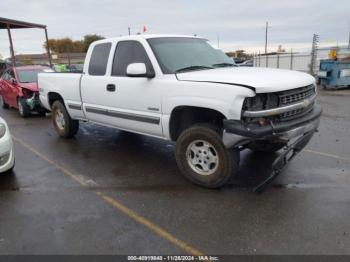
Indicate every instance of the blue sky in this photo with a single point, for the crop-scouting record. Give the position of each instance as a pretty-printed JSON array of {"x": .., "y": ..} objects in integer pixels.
[{"x": 237, "y": 24}]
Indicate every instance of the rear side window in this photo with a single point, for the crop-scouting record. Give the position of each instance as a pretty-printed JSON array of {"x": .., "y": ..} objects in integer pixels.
[
  {"x": 129, "y": 52},
  {"x": 99, "y": 59}
]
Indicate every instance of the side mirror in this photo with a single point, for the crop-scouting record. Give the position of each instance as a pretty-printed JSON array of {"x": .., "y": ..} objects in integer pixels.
[
  {"x": 13, "y": 81},
  {"x": 138, "y": 70}
]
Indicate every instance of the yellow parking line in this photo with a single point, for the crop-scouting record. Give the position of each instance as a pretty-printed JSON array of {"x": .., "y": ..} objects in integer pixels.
[
  {"x": 64, "y": 170},
  {"x": 327, "y": 154},
  {"x": 155, "y": 228},
  {"x": 119, "y": 206}
]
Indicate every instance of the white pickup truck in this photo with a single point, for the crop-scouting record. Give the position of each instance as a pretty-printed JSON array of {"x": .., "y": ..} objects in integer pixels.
[{"x": 180, "y": 88}]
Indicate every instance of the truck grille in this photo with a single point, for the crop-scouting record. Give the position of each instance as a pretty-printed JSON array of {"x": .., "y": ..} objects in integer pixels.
[
  {"x": 295, "y": 113},
  {"x": 266, "y": 101},
  {"x": 296, "y": 95}
]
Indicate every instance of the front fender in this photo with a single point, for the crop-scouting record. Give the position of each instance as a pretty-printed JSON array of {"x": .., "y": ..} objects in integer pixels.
[{"x": 174, "y": 102}]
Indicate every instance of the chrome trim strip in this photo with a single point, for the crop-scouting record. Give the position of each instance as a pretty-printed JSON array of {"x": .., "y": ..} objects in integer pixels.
[
  {"x": 280, "y": 110},
  {"x": 123, "y": 115}
]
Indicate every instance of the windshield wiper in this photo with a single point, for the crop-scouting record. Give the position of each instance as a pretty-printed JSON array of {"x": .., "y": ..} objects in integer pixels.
[
  {"x": 194, "y": 67},
  {"x": 223, "y": 65}
]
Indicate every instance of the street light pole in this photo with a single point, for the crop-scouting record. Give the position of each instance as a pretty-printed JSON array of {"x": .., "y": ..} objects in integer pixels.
[{"x": 267, "y": 26}]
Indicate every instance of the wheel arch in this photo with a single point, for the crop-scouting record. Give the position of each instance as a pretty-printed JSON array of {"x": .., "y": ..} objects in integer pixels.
[
  {"x": 52, "y": 97},
  {"x": 184, "y": 116}
]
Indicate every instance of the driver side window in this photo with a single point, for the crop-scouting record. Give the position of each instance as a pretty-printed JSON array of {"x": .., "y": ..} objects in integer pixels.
[{"x": 128, "y": 52}]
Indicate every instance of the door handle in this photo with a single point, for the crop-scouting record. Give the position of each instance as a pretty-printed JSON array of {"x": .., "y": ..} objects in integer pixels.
[{"x": 110, "y": 87}]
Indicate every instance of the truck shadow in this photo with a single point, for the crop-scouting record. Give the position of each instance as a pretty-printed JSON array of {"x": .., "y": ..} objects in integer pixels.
[
  {"x": 158, "y": 157},
  {"x": 254, "y": 168},
  {"x": 135, "y": 162}
]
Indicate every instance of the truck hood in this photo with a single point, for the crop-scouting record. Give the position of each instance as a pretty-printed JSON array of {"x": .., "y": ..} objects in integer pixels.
[
  {"x": 31, "y": 86},
  {"x": 262, "y": 80}
]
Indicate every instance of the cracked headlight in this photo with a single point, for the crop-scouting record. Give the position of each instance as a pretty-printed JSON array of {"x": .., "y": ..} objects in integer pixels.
[{"x": 2, "y": 130}]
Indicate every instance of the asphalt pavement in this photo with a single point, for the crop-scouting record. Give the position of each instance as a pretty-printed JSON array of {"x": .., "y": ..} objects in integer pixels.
[{"x": 112, "y": 192}]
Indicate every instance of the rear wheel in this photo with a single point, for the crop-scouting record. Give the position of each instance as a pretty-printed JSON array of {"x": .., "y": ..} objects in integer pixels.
[
  {"x": 203, "y": 158},
  {"x": 63, "y": 123},
  {"x": 23, "y": 108}
]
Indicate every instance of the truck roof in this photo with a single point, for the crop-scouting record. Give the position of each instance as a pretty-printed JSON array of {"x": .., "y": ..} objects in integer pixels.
[{"x": 143, "y": 36}]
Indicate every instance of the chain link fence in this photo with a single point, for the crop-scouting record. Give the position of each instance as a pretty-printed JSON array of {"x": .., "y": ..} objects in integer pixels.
[{"x": 294, "y": 61}]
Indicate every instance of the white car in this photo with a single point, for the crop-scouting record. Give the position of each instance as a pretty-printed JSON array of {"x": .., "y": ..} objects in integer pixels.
[
  {"x": 180, "y": 88},
  {"x": 7, "y": 155}
]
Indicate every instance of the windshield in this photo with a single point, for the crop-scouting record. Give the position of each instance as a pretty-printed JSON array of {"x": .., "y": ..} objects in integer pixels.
[
  {"x": 179, "y": 54},
  {"x": 30, "y": 76}
]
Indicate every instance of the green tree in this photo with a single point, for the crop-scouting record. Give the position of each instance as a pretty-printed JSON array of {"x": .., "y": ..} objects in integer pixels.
[
  {"x": 67, "y": 45},
  {"x": 88, "y": 39}
]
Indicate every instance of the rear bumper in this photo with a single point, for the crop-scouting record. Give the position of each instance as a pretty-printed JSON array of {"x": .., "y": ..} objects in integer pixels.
[{"x": 236, "y": 133}]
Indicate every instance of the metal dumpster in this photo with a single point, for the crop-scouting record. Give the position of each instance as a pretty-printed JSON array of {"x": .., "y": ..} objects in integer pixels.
[{"x": 334, "y": 73}]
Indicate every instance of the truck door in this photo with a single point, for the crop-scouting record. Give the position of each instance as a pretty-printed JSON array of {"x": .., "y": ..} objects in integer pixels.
[
  {"x": 9, "y": 90},
  {"x": 131, "y": 103}
]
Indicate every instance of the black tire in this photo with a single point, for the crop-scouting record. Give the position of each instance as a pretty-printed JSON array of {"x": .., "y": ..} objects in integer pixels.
[
  {"x": 3, "y": 104},
  {"x": 266, "y": 146},
  {"x": 69, "y": 127},
  {"x": 228, "y": 160},
  {"x": 23, "y": 109}
]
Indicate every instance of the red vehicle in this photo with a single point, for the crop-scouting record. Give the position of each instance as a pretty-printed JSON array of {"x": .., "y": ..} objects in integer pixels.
[{"x": 19, "y": 89}]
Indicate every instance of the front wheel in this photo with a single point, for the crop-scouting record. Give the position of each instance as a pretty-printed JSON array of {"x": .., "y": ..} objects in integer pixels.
[
  {"x": 23, "y": 108},
  {"x": 203, "y": 158},
  {"x": 65, "y": 126}
]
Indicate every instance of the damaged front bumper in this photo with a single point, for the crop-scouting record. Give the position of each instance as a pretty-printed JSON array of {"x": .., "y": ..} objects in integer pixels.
[
  {"x": 33, "y": 102},
  {"x": 236, "y": 133},
  {"x": 295, "y": 133}
]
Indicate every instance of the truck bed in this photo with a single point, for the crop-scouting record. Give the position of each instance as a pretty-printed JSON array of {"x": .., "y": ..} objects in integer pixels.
[{"x": 66, "y": 85}]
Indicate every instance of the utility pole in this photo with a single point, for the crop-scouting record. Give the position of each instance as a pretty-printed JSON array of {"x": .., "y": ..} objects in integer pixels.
[
  {"x": 349, "y": 42},
  {"x": 266, "y": 29},
  {"x": 218, "y": 39},
  {"x": 13, "y": 58},
  {"x": 315, "y": 41},
  {"x": 129, "y": 30}
]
